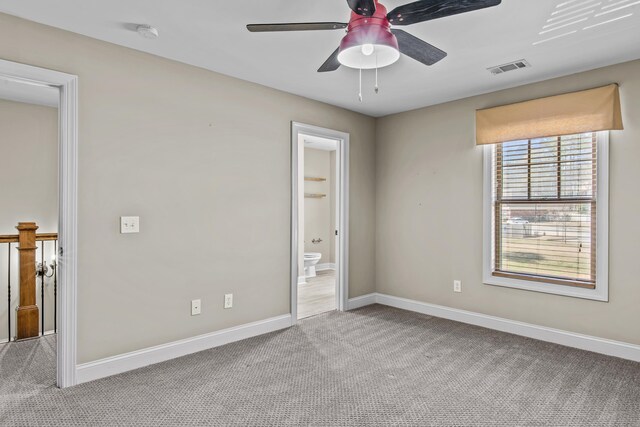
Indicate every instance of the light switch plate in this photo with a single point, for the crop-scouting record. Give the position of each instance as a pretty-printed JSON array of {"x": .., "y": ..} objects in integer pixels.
[
  {"x": 129, "y": 224},
  {"x": 196, "y": 307}
]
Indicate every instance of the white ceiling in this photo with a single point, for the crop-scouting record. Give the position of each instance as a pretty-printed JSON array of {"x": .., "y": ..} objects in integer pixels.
[
  {"x": 319, "y": 143},
  {"x": 28, "y": 93},
  {"x": 212, "y": 34}
]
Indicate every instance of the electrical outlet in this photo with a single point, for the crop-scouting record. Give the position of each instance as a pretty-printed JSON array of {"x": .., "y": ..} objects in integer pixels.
[
  {"x": 129, "y": 224},
  {"x": 228, "y": 300},
  {"x": 196, "y": 307},
  {"x": 457, "y": 286}
]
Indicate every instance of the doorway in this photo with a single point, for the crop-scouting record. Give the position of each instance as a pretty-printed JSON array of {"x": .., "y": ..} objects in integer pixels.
[
  {"x": 319, "y": 235},
  {"x": 28, "y": 231},
  {"x": 45, "y": 211}
]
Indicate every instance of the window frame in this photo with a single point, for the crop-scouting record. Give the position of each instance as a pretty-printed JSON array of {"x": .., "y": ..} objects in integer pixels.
[{"x": 538, "y": 283}]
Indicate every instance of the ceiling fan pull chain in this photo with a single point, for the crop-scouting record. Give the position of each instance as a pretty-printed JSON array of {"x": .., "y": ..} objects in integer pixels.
[
  {"x": 376, "y": 87},
  {"x": 360, "y": 87}
]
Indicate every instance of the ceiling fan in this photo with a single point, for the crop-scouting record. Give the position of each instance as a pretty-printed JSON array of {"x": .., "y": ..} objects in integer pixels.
[{"x": 372, "y": 41}]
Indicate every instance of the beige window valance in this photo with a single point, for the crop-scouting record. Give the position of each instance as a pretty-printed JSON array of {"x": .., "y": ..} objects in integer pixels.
[{"x": 585, "y": 111}]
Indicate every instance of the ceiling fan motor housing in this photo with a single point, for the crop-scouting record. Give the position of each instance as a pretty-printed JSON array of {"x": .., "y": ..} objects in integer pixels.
[{"x": 365, "y": 33}]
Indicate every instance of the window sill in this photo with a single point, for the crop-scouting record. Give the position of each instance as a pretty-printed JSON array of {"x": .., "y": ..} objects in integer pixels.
[
  {"x": 598, "y": 294},
  {"x": 545, "y": 280}
]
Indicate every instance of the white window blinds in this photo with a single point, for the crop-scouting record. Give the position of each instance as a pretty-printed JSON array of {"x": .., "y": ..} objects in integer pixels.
[{"x": 544, "y": 201}]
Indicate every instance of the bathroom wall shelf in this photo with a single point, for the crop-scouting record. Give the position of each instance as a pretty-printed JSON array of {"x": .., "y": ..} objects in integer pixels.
[
  {"x": 314, "y": 195},
  {"x": 314, "y": 178}
]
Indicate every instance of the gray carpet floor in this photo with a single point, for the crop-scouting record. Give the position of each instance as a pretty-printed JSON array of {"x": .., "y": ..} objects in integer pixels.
[{"x": 372, "y": 366}]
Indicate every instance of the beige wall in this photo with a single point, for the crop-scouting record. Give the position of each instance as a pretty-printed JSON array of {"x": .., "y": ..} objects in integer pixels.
[
  {"x": 28, "y": 191},
  {"x": 204, "y": 159},
  {"x": 317, "y": 211},
  {"x": 29, "y": 166},
  {"x": 429, "y": 212}
]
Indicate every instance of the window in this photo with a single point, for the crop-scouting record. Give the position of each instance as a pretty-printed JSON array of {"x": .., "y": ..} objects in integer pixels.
[{"x": 545, "y": 199}]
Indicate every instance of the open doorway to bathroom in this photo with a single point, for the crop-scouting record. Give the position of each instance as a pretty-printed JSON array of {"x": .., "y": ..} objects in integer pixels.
[
  {"x": 317, "y": 279},
  {"x": 319, "y": 212}
]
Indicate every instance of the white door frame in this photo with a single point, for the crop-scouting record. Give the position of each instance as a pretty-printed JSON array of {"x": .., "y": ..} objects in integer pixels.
[
  {"x": 342, "y": 223},
  {"x": 67, "y": 85}
]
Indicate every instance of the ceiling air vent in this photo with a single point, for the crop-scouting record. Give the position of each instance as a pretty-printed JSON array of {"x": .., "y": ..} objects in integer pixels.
[{"x": 515, "y": 65}]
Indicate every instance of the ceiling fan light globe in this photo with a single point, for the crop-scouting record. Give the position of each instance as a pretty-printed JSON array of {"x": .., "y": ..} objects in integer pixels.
[
  {"x": 367, "y": 49},
  {"x": 382, "y": 56}
]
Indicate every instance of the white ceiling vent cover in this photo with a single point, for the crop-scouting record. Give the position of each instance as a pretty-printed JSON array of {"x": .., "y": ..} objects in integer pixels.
[{"x": 515, "y": 65}]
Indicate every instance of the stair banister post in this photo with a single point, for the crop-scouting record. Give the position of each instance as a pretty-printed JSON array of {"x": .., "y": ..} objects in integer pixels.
[{"x": 27, "y": 313}]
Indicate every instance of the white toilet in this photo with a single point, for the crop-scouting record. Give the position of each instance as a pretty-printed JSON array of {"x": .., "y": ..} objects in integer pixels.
[{"x": 310, "y": 261}]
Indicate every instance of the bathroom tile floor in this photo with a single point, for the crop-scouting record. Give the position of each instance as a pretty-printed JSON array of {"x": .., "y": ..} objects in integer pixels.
[{"x": 318, "y": 295}]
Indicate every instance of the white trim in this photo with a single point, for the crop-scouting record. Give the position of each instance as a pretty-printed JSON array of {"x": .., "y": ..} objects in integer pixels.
[
  {"x": 601, "y": 292},
  {"x": 302, "y": 280},
  {"x": 160, "y": 353},
  {"x": 326, "y": 266},
  {"x": 68, "y": 211},
  {"x": 342, "y": 240},
  {"x": 361, "y": 301},
  {"x": 68, "y": 234},
  {"x": 557, "y": 336},
  {"x": 294, "y": 224}
]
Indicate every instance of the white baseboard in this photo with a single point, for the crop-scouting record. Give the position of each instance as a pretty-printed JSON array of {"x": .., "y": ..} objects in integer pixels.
[
  {"x": 137, "y": 359},
  {"x": 543, "y": 333},
  {"x": 302, "y": 280},
  {"x": 361, "y": 301},
  {"x": 326, "y": 266}
]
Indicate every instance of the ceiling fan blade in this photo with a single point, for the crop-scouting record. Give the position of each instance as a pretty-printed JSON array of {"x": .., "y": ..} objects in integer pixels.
[
  {"x": 418, "y": 49},
  {"x": 427, "y": 10},
  {"x": 331, "y": 64},
  {"x": 303, "y": 26},
  {"x": 362, "y": 7}
]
